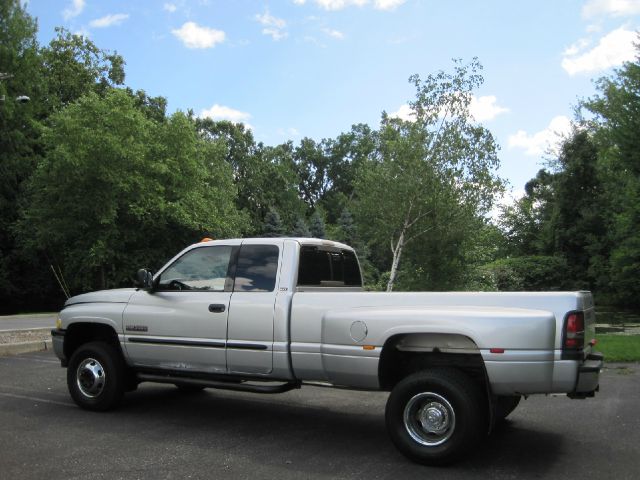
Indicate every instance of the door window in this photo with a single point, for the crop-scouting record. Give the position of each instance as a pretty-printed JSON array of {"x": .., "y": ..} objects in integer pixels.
[
  {"x": 203, "y": 268},
  {"x": 257, "y": 268}
]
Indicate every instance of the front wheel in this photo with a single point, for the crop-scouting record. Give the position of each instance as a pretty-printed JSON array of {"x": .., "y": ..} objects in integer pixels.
[
  {"x": 96, "y": 376},
  {"x": 434, "y": 416}
]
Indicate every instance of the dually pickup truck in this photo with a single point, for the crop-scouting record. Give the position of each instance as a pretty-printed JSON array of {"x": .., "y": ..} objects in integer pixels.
[{"x": 272, "y": 314}]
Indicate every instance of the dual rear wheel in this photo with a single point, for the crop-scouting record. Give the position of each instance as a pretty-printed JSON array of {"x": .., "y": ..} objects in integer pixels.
[{"x": 434, "y": 417}]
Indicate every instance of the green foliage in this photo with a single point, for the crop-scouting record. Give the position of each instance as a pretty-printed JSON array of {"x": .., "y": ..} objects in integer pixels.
[
  {"x": 428, "y": 178},
  {"x": 272, "y": 226},
  {"x": 300, "y": 228},
  {"x": 536, "y": 273},
  {"x": 316, "y": 225},
  {"x": 20, "y": 144},
  {"x": 264, "y": 176},
  {"x": 586, "y": 209},
  {"x": 119, "y": 190},
  {"x": 75, "y": 66},
  {"x": 98, "y": 180}
]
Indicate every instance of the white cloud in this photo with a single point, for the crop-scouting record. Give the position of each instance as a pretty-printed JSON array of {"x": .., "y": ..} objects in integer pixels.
[
  {"x": 577, "y": 47},
  {"x": 614, "y": 8},
  {"x": 612, "y": 50},
  {"x": 339, "y": 4},
  {"x": 387, "y": 4},
  {"x": 170, "y": 7},
  {"x": 220, "y": 112},
  {"x": 342, "y": 4},
  {"x": 314, "y": 41},
  {"x": 485, "y": 108},
  {"x": 193, "y": 35},
  {"x": 108, "y": 20},
  {"x": 544, "y": 140},
  {"x": 404, "y": 113},
  {"x": 274, "y": 26},
  {"x": 73, "y": 10},
  {"x": 338, "y": 35}
]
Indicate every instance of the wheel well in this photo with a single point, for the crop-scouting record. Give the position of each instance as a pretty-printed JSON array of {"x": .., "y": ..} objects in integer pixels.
[
  {"x": 78, "y": 334},
  {"x": 405, "y": 354}
]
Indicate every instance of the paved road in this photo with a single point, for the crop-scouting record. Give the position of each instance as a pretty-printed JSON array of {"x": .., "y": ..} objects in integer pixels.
[
  {"x": 17, "y": 322},
  {"x": 159, "y": 433}
]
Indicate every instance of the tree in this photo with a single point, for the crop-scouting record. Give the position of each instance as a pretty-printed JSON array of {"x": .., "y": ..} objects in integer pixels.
[
  {"x": 118, "y": 189},
  {"x": 75, "y": 66},
  {"x": 272, "y": 226},
  {"x": 431, "y": 171},
  {"x": 615, "y": 123},
  {"x": 263, "y": 175},
  {"x": 317, "y": 227},
  {"x": 20, "y": 145},
  {"x": 300, "y": 228}
]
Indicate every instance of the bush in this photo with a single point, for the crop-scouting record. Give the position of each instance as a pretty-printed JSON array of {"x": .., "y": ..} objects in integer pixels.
[{"x": 536, "y": 273}]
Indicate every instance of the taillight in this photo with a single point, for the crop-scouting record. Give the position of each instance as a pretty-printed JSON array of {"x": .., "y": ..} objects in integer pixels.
[{"x": 574, "y": 331}]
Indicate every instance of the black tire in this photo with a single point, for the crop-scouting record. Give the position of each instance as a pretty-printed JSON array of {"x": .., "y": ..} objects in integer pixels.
[
  {"x": 189, "y": 388},
  {"x": 504, "y": 405},
  {"x": 96, "y": 376},
  {"x": 456, "y": 413}
]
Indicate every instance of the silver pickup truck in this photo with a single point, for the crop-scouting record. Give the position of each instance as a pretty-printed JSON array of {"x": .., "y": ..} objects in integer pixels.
[{"x": 272, "y": 314}]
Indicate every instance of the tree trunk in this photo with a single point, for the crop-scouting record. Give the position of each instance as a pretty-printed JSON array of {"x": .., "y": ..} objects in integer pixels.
[{"x": 397, "y": 253}]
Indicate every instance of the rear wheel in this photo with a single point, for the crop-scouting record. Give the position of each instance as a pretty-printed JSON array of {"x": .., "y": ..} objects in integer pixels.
[
  {"x": 433, "y": 417},
  {"x": 96, "y": 376}
]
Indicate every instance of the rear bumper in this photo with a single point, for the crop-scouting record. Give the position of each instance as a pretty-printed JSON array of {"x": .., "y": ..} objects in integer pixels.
[
  {"x": 588, "y": 376},
  {"x": 57, "y": 339}
]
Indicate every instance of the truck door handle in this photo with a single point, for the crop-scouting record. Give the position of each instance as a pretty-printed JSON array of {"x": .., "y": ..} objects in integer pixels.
[{"x": 217, "y": 307}]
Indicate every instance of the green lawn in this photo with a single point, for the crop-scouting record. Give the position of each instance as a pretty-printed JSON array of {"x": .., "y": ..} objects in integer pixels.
[{"x": 619, "y": 348}]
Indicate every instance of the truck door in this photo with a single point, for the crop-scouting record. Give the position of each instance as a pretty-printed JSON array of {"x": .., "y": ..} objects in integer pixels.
[
  {"x": 250, "y": 332},
  {"x": 182, "y": 323}
]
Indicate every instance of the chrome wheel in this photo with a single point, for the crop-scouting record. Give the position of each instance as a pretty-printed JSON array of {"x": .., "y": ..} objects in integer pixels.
[
  {"x": 90, "y": 377},
  {"x": 429, "y": 419}
]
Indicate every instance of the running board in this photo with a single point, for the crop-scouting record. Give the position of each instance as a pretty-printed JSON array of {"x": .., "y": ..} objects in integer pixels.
[{"x": 241, "y": 387}]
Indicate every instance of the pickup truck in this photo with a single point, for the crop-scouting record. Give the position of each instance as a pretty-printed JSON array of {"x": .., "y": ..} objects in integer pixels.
[{"x": 267, "y": 315}]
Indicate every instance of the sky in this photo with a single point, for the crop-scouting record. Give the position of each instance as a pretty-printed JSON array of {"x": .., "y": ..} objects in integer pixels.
[{"x": 312, "y": 68}]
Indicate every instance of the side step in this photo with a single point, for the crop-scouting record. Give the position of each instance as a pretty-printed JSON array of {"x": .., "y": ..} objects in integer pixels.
[{"x": 241, "y": 387}]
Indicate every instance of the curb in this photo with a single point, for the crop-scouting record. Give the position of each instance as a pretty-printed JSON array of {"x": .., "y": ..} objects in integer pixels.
[
  {"x": 7, "y": 349},
  {"x": 31, "y": 329}
]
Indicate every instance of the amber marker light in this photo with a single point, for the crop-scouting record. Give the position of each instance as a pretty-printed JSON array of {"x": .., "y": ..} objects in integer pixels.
[{"x": 368, "y": 347}]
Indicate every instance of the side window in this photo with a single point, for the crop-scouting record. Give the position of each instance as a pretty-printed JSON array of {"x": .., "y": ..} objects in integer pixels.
[
  {"x": 257, "y": 268},
  {"x": 328, "y": 268},
  {"x": 203, "y": 268}
]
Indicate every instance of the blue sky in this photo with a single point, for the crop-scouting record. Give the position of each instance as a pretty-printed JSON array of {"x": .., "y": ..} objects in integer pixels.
[{"x": 296, "y": 68}]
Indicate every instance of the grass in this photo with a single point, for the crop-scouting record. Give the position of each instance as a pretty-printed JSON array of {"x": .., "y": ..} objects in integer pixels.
[{"x": 619, "y": 348}]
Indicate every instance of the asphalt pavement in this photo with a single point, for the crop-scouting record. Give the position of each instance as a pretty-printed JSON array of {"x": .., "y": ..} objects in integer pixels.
[
  {"x": 27, "y": 321},
  {"x": 161, "y": 433}
]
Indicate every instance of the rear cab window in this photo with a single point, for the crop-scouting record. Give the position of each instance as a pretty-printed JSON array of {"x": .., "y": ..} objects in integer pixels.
[{"x": 328, "y": 267}]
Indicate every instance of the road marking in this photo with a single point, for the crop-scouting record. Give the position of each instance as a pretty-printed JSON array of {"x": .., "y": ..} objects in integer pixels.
[{"x": 36, "y": 399}]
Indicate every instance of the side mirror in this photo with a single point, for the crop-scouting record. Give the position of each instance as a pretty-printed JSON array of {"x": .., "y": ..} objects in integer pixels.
[{"x": 144, "y": 279}]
